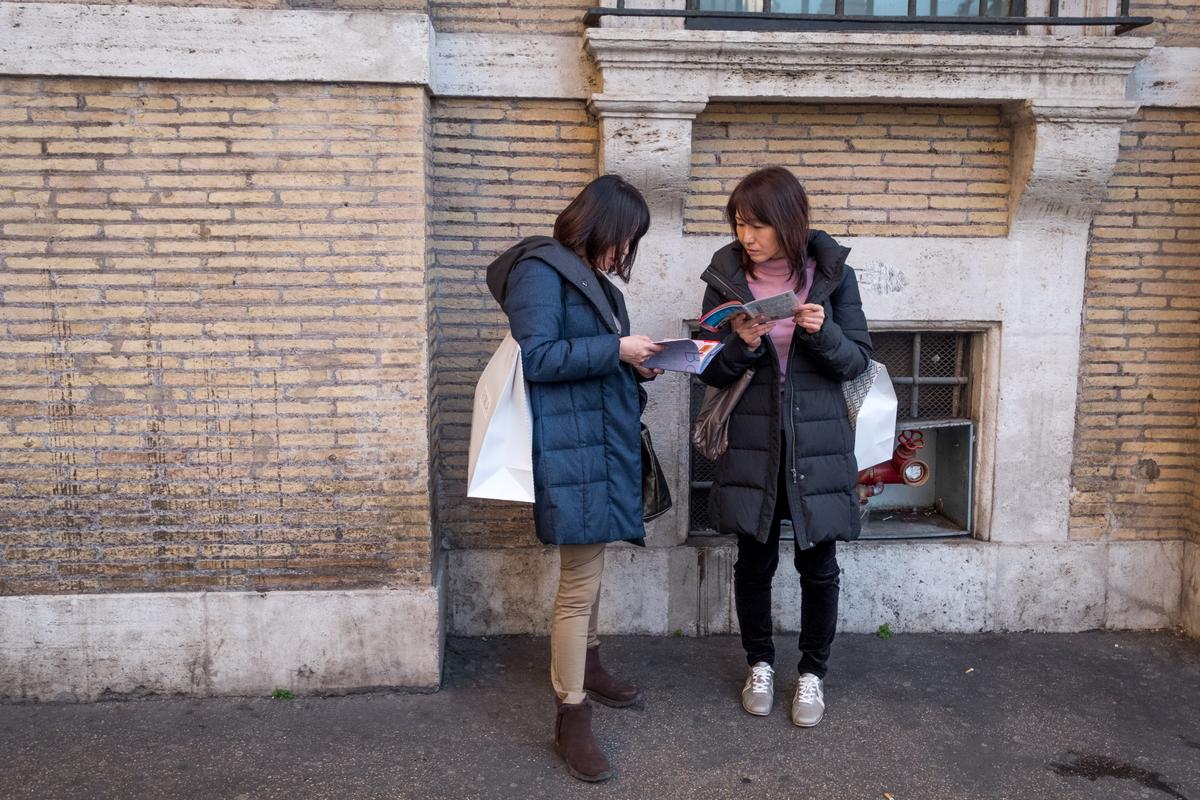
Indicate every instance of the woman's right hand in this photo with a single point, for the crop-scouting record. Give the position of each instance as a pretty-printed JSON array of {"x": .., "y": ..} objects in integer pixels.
[
  {"x": 751, "y": 330},
  {"x": 636, "y": 349}
]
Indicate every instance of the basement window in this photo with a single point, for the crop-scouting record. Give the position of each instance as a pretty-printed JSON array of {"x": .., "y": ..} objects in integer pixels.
[{"x": 932, "y": 373}]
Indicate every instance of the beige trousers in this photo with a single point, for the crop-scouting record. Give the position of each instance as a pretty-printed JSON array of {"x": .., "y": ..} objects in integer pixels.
[{"x": 575, "y": 608}]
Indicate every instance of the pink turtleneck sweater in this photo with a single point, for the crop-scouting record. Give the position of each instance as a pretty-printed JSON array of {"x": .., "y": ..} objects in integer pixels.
[{"x": 771, "y": 278}]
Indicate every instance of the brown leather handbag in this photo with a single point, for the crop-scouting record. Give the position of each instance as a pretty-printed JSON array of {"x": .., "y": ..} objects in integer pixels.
[{"x": 710, "y": 434}]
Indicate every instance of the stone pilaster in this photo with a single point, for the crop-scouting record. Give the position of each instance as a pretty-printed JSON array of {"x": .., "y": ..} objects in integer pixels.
[
  {"x": 648, "y": 141},
  {"x": 1063, "y": 156}
]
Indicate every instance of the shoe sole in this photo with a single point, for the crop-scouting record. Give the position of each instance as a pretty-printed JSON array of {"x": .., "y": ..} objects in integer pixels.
[
  {"x": 766, "y": 713},
  {"x": 808, "y": 724},
  {"x": 588, "y": 778},
  {"x": 611, "y": 703},
  {"x": 574, "y": 773}
]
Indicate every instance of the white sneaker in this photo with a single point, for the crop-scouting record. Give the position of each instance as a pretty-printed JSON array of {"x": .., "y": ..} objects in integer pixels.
[
  {"x": 808, "y": 706},
  {"x": 758, "y": 695}
]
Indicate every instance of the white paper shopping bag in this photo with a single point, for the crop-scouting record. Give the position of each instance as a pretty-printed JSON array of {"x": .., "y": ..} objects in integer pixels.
[
  {"x": 871, "y": 403},
  {"x": 500, "y": 461}
]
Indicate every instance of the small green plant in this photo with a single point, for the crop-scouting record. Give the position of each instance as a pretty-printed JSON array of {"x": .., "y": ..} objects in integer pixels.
[
  {"x": 678, "y": 632},
  {"x": 884, "y": 632},
  {"x": 283, "y": 694}
]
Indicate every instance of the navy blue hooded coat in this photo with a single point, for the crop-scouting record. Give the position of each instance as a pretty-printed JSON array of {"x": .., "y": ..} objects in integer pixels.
[{"x": 585, "y": 402}]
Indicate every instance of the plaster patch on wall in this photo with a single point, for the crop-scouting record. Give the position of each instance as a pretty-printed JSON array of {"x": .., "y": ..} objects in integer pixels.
[{"x": 881, "y": 278}]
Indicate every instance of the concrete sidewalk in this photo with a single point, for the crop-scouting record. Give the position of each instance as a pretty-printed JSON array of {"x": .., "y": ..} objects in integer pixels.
[{"x": 1095, "y": 715}]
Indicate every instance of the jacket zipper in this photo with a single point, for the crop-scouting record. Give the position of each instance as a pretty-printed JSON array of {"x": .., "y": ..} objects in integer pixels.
[
  {"x": 788, "y": 396},
  {"x": 789, "y": 399},
  {"x": 731, "y": 293}
]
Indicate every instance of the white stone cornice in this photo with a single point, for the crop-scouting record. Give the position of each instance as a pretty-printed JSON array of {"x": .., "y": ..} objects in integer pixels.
[
  {"x": 132, "y": 41},
  {"x": 511, "y": 65},
  {"x": 677, "y": 108},
  {"x": 805, "y": 65},
  {"x": 1169, "y": 76},
  {"x": 1111, "y": 112},
  {"x": 796, "y": 51}
]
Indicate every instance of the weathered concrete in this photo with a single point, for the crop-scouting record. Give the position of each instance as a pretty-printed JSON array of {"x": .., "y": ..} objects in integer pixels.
[
  {"x": 1190, "y": 600},
  {"x": 1050, "y": 587},
  {"x": 84, "y": 647},
  {"x": 512, "y": 590},
  {"x": 1014, "y": 717},
  {"x": 1169, "y": 76},
  {"x": 511, "y": 65},
  {"x": 132, "y": 41},
  {"x": 1142, "y": 577},
  {"x": 911, "y": 586},
  {"x": 955, "y": 585}
]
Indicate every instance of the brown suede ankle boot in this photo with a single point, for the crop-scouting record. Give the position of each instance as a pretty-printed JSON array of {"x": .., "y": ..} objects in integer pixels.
[
  {"x": 574, "y": 742},
  {"x": 604, "y": 688}
]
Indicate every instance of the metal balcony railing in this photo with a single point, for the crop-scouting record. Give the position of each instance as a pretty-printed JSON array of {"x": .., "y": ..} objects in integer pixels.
[{"x": 969, "y": 16}]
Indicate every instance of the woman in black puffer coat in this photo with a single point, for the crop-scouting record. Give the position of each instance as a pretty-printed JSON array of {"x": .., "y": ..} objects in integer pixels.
[{"x": 791, "y": 448}]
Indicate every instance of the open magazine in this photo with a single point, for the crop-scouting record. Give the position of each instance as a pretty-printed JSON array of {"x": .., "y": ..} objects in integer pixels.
[
  {"x": 684, "y": 355},
  {"x": 776, "y": 307}
]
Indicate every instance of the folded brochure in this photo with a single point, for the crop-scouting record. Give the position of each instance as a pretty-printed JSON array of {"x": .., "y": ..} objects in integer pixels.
[
  {"x": 684, "y": 355},
  {"x": 776, "y": 307}
]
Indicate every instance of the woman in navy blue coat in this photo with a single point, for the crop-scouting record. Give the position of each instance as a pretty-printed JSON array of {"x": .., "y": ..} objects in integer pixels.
[{"x": 583, "y": 369}]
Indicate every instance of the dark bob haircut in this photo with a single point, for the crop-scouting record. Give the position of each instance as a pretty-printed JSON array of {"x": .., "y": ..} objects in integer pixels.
[
  {"x": 773, "y": 196},
  {"x": 608, "y": 213}
]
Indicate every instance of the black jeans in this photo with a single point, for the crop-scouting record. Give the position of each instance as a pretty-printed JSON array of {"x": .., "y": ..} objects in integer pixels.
[{"x": 819, "y": 587}]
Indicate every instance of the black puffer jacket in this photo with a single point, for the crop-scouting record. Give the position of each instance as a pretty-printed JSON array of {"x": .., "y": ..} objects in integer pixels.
[{"x": 819, "y": 444}]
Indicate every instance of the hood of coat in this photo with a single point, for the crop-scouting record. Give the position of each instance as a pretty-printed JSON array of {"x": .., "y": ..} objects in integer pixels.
[
  {"x": 726, "y": 273},
  {"x": 566, "y": 263}
]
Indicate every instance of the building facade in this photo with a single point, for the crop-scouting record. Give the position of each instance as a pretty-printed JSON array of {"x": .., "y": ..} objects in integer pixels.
[{"x": 241, "y": 279}]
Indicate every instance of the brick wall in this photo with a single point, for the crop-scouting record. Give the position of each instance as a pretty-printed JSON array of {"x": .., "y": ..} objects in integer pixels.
[
  {"x": 502, "y": 170},
  {"x": 1137, "y": 448},
  {"x": 553, "y": 17},
  {"x": 870, "y": 170},
  {"x": 1176, "y": 22},
  {"x": 212, "y": 355}
]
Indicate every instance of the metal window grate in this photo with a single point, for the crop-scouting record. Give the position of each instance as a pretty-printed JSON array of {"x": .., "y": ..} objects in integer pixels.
[{"x": 929, "y": 371}]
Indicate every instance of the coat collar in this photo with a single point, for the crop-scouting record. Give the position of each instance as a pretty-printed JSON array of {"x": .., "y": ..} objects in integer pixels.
[
  {"x": 725, "y": 273},
  {"x": 622, "y": 311},
  {"x": 587, "y": 281},
  {"x": 572, "y": 269}
]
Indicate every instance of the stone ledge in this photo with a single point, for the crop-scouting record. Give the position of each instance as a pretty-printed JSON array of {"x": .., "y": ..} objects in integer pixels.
[
  {"x": 511, "y": 65},
  {"x": 750, "y": 64},
  {"x": 131, "y": 41},
  {"x": 948, "y": 586},
  {"x": 1168, "y": 77},
  {"x": 1190, "y": 600},
  {"x": 88, "y": 647}
]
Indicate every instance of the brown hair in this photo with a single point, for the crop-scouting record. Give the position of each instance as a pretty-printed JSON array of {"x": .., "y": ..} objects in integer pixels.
[
  {"x": 773, "y": 196},
  {"x": 609, "y": 212}
]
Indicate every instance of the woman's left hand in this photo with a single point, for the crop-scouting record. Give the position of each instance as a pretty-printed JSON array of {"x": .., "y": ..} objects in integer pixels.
[
  {"x": 810, "y": 317},
  {"x": 648, "y": 374}
]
